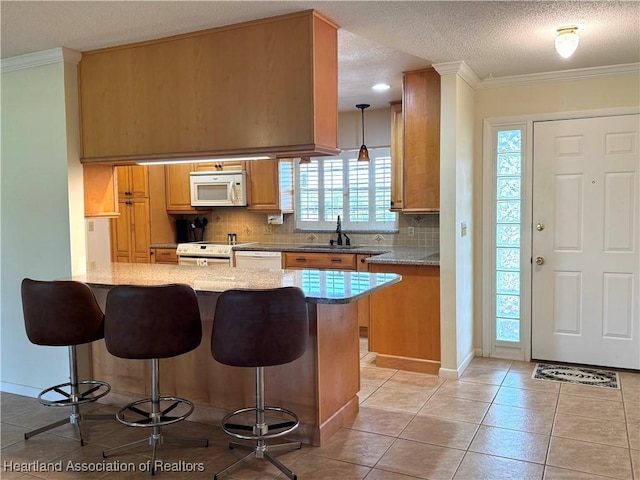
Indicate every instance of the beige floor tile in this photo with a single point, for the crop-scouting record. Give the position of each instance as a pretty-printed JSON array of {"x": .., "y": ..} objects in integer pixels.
[
  {"x": 635, "y": 463},
  {"x": 483, "y": 375},
  {"x": 629, "y": 379},
  {"x": 530, "y": 399},
  {"x": 468, "y": 390},
  {"x": 555, "y": 473},
  {"x": 455, "y": 409},
  {"x": 523, "y": 419},
  {"x": 419, "y": 382},
  {"x": 501, "y": 442},
  {"x": 591, "y": 407},
  {"x": 366, "y": 390},
  {"x": 355, "y": 446},
  {"x": 16, "y": 475},
  {"x": 524, "y": 380},
  {"x": 593, "y": 430},
  {"x": 589, "y": 458},
  {"x": 375, "y": 376},
  {"x": 421, "y": 460},
  {"x": 11, "y": 434},
  {"x": 632, "y": 412},
  {"x": 368, "y": 359},
  {"x": 633, "y": 429},
  {"x": 631, "y": 396},
  {"x": 313, "y": 467},
  {"x": 43, "y": 448},
  {"x": 439, "y": 431},
  {"x": 491, "y": 363},
  {"x": 612, "y": 394},
  {"x": 524, "y": 367},
  {"x": 394, "y": 399},
  {"x": 376, "y": 474},
  {"x": 477, "y": 466},
  {"x": 384, "y": 422}
]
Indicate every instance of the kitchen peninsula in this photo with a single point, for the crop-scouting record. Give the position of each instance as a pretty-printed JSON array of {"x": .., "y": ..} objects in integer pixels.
[{"x": 321, "y": 386}]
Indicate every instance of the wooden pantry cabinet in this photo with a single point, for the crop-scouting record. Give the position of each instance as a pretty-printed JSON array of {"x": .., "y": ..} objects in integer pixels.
[
  {"x": 421, "y": 124},
  {"x": 265, "y": 86},
  {"x": 405, "y": 319},
  {"x": 397, "y": 156}
]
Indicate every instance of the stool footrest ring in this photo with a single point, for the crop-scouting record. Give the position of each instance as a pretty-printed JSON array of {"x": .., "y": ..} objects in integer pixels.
[
  {"x": 98, "y": 390},
  {"x": 157, "y": 418},
  {"x": 283, "y": 427}
]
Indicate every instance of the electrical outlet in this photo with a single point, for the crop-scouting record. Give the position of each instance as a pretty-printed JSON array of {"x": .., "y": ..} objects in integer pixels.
[
  {"x": 90, "y": 225},
  {"x": 463, "y": 229},
  {"x": 411, "y": 231},
  {"x": 267, "y": 229}
]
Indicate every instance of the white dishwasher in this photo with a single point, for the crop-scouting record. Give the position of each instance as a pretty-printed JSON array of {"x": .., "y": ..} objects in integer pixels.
[{"x": 258, "y": 259}]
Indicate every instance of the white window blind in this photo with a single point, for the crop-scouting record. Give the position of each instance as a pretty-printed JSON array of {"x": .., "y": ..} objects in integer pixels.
[{"x": 360, "y": 192}]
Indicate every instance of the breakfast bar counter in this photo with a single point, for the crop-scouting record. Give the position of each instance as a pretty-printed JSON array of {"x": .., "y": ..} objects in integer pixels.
[{"x": 321, "y": 386}]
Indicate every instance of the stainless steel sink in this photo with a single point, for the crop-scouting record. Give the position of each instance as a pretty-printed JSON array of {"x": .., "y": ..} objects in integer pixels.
[{"x": 318, "y": 246}]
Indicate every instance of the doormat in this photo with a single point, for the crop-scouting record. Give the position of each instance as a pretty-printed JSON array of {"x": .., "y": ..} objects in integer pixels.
[{"x": 576, "y": 375}]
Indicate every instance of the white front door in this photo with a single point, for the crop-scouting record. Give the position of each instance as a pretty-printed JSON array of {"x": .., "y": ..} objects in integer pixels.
[{"x": 586, "y": 215}]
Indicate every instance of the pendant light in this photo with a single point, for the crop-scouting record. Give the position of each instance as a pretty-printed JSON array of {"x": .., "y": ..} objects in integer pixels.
[{"x": 363, "y": 154}]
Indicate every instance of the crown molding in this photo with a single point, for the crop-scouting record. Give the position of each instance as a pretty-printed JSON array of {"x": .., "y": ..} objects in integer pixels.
[
  {"x": 458, "y": 68},
  {"x": 560, "y": 76},
  {"x": 39, "y": 59}
]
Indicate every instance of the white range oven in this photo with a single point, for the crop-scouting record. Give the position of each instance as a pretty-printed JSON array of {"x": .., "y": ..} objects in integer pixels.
[{"x": 204, "y": 254}]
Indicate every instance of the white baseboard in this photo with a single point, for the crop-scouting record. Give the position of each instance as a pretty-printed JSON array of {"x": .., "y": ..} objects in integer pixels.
[
  {"x": 19, "y": 389},
  {"x": 454, "y": 374}
]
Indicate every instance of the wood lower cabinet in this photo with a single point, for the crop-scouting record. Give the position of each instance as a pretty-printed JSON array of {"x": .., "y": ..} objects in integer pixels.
[
  {"x": 364, "y": 306},
  {"x": 320, "y": 261},
  {"x": 421, "y": 123},
  {"x": 167, "y": 256},
  {"x": 405, "y": 319}
]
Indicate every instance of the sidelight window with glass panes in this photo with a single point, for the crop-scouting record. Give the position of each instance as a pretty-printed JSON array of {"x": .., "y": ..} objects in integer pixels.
[{"x": 508, "y": 235}]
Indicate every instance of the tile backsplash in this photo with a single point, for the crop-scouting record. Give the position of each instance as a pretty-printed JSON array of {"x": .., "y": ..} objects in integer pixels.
[{"x": 253, "y": 227}]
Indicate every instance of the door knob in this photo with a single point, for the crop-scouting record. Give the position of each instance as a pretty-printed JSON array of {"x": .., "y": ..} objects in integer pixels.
[
  {"x": 540, "y": 227},
  {"x": 539, "y": 260}
]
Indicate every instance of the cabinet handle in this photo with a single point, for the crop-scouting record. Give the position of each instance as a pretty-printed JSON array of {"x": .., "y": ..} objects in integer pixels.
[
  {"x": 301, "y": 259},
  {"x": 362, "y": 260},
  {"x": 336, "y": 260}
]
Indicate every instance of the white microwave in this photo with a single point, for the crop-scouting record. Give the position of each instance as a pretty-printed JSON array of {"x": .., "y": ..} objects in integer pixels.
[{"x": 218, "y": 189}]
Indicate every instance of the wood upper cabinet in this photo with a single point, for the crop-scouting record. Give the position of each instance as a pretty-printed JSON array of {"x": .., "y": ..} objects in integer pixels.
[
  {"x": 270, "y": 186},
  {"x": 397, "y": 156},
  {"x": 100, "y": 190},
  {"x": 266, "y": 86},
  {"x": 421, "y": 118},
  {"x": 177, "y": 188},
  {"x": 218, "y": 166},
  {"x": 133, "y": 181}
]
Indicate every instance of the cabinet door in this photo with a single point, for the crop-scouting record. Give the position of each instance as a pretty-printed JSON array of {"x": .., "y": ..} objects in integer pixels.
[
  {"x": 164, "y": 255},
  {"x": 421, "y": 111},
  {"x": 133, "y": 181},
  {"x": 121, "y": 233},
  {"x": 263, "y": 190},
  {"x": 177, "y": 187},
  {"x": 218, "y": 166},
  {"x": 140, "y": 234},
  {"x": 397, "y": 156},
  {"x": 320, "y": 261},
  {"x": 100, "y": 190}
]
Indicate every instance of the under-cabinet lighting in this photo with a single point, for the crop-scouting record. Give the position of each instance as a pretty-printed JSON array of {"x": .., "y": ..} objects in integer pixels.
[{"x": 208, "y": 160}]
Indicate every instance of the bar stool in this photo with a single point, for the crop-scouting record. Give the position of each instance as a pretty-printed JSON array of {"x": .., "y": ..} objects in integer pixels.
[
  {"x": 260, "y": 328},
  {"x": 64, "y": 313},
  {"x": 153, "y": 322}
]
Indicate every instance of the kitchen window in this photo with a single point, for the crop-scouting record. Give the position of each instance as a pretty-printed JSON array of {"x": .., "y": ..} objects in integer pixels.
[{"x": 360, "y": 192}]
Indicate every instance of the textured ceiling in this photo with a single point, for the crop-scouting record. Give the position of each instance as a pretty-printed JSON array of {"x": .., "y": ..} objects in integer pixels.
[{"x": 377, "y": 41}]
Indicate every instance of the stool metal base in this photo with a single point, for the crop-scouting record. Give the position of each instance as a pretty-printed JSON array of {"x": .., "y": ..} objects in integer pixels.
[
  {"x": 261, "y": 451},
  {"x": 156, "y": 417},
  {"x": 72, "y": 398}
]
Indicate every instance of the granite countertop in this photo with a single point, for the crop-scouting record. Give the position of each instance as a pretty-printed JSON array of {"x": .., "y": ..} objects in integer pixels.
[
  {"x": 319, "y": 286},
  {"x": 381, "y": 254}
]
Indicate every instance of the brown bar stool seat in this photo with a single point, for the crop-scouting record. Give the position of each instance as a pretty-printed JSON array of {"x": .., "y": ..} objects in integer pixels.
[
  {"x": 260, "y": 328},
  {"x": 150, "y": 323},
  {"x": 64, "y": 313}
]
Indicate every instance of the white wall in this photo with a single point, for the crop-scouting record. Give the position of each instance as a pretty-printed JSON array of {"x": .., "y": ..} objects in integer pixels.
[
  {"x": 543, "y": 98},
  {"x": 98, "y": 241},
  {"x": 456, "y": 208},
  {"x": 39, "y": 180},
  {"x": 377, "y": 128}
]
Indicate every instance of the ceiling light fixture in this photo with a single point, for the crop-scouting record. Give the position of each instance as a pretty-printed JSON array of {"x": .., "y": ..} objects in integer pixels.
[
  {"x": 381, "y": 87},
  {"x": 567, "y": 41},
  {"x": 363, "y": 154}
]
